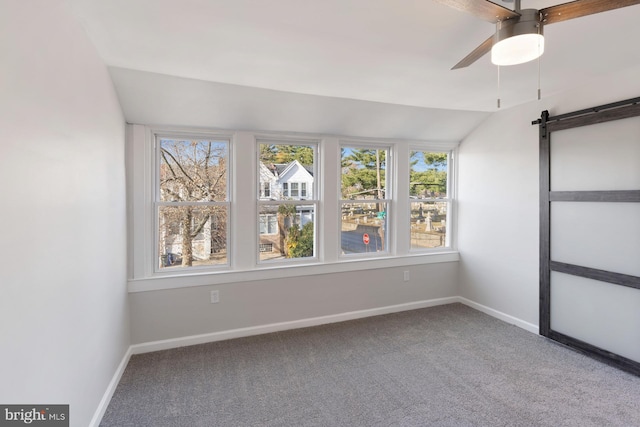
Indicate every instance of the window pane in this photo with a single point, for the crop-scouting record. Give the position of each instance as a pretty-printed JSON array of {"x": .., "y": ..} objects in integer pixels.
[
  {"x": 363, "y": 228},
  {"x": 363, "y": 173},
  {"x": 289, "y": 231},
  {"x": 193, "y": 170},
  {"x": 428, "y": 175},
  {"x": 268, "y": 223},
  {"x": 286, "y": 167},
  {"x": 428, "y": 225},
  {"x": 192, "y": 236}
]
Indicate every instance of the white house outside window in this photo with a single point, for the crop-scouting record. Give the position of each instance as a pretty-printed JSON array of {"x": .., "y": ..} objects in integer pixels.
[{"x": 291, "y": 167}]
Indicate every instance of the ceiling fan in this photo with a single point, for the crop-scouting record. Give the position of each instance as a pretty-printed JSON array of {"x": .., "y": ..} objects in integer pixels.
[{"x": 519, "y": 32}]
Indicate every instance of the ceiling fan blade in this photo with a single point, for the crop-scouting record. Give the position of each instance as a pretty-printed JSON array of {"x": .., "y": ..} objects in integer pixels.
[
  {"x": 482, "y": 9},
  {"x": 578, "y": 8},
  {"x": 477, "y": 53}
]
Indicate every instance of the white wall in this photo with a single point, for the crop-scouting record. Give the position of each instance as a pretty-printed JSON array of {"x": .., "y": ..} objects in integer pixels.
[
  {"x": 175, "y": 313},
  {"x": 498, "y": 197},
  {"x": 64, "y": 324},
  {"x": 154, "y": 99}
]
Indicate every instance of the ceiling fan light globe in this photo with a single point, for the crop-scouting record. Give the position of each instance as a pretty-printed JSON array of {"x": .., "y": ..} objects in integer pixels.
[{"x": 517, "y": 49}]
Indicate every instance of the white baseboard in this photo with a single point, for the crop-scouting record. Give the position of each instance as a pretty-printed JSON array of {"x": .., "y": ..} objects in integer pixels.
[
  {"x": 111, "y": 388},
  {"x": 282, "y": 326},
  {"x": 500, "y": 315}
]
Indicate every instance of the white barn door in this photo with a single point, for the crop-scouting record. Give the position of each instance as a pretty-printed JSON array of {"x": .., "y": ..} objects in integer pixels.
[{"x": 590, "y": 231}]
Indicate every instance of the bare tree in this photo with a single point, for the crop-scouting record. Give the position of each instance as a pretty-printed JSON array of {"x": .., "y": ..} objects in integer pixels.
[{"x": 193, "y": 173}]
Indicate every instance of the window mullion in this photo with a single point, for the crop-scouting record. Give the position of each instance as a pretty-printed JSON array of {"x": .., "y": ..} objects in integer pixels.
[
  {"x": 244, "y": 211},
  {"x": 402, "y": 217}
]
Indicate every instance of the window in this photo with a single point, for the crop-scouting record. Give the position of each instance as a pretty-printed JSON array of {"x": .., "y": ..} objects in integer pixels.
[
  {"x": 365, "y": 200},
  {"x": 266, "y": 247},
  {"x": 382, "y": 203},
  {"x": 296, "y": 190},
  {"x": 191, "y": 202},
  {"x": 287, "y": 223},
  {"x": 268, "y": 224},
  {"x": 429, "y": 202}
]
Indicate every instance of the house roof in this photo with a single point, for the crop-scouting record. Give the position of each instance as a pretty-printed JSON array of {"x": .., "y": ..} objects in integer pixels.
[{"x": 281, "y": 167}]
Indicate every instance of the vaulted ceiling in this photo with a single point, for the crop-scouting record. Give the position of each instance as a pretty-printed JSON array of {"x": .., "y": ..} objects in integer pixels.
[{"x": 390, "y": 51}]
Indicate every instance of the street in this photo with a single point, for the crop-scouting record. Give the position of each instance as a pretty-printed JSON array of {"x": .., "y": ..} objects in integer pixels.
[{"x": 351, "y": 242}]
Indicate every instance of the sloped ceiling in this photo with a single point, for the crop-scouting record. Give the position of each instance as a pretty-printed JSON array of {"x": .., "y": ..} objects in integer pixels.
[{"x": 387, "y": 51}]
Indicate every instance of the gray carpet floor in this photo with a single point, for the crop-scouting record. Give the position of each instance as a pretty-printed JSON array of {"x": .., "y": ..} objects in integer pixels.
[{"x": 442, "y": 366}]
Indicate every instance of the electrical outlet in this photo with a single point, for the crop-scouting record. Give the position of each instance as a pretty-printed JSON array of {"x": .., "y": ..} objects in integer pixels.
[
  {"x": 215, "y": 297},
  {"x": 406, "y": 275}
]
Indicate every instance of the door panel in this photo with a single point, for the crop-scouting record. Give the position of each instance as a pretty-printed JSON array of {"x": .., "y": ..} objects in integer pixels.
[
  {"x": 605, "y": 236},
  {"x": 598, "y": 157},
  {"x": 598, "y": 313}
]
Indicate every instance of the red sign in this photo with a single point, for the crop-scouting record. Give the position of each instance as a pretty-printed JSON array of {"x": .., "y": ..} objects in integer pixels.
[{"x": 365, "y": 238}]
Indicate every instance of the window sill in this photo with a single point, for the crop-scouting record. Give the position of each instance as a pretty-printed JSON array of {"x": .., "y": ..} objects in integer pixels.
[{"x": 280, "y": 271}]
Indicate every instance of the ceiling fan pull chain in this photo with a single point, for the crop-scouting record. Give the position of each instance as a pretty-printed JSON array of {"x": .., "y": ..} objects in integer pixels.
[
  {"x": 498, "y": 86},
  {"x": 498, "y": 28},
  {"x": 539, "y": 56}
]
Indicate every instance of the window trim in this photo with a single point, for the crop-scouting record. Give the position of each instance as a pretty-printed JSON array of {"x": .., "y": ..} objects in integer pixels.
[
  {"x": 140, "y": 174},
  {"x": 267, "y": 216},
  {"x": 451, "y": 188},
  {"x": 266, "y": 190},
  {"x": 157, "y": 203},
  {"x": 315, "y": 199},
  {"x": 389, "y": 199}
]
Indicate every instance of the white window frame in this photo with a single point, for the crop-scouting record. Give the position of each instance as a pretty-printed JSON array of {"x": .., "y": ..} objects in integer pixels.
[
  {"x": 449, "y": 200},
  {"x": 157, "y": 203},
  {"x": 315, "y": 200},
  {"x": 388, "y": 200},
  {"x": 243, "y": 230},
  {"x": 294, "y": 190},
  {"x": 267, "y": 222}
]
